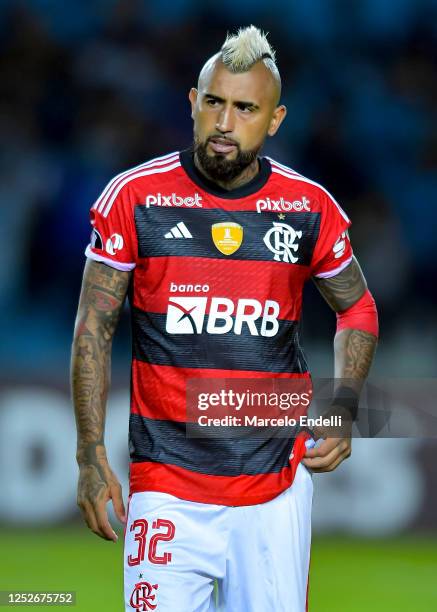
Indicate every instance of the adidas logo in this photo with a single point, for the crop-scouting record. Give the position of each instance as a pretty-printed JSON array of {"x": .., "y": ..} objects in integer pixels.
[{"x": 179, "y": 231}]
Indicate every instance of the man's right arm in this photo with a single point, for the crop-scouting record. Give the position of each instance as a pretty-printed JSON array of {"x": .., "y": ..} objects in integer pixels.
[{"x": 102, "y": 296}]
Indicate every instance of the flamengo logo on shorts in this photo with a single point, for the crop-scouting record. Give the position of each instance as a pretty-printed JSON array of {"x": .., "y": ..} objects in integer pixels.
[
  {"x": 142, "y": 598},
  {"x": 282, "y": 205},
  {"x": 173, "y": 200},
  {"x": 186, "y": 315}
]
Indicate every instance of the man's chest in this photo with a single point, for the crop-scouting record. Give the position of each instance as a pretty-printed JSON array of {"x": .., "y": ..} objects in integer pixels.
[{"x": 271, "y": 229}]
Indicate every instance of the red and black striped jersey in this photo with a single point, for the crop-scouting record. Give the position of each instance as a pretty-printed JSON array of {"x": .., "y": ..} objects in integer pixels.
[{"x": 216, "y": 292}]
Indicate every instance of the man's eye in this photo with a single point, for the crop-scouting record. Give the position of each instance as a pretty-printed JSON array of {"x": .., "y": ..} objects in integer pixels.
[
  {"x": 244, "y": 108},
  {"x": 212, "y": 102}
]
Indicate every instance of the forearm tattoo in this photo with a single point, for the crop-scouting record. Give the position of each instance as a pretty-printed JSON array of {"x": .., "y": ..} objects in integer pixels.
[
  {"x": 94, "y": 471},
  {"x": 354, "y": 350},
  {"x": 344, "y": 289},
  {"x": 102, "y": 296}
]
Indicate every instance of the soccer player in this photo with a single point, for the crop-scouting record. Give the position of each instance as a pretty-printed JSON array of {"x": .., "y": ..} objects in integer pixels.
[{"x": 213, "y": 246}]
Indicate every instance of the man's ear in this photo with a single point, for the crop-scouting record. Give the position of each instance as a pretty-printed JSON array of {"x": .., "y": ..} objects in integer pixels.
[
  {"x": 193, "y": 99},
  {"x": 279, "y": 115}
]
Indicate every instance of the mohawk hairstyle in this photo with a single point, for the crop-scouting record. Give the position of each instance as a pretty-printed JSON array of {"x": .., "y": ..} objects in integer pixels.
[{"x": 242, "y": 50}]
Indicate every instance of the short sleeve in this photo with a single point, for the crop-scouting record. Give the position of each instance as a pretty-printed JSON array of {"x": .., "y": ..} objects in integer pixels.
[
  {"x": 113, "y": 236},
  {"x": 333, "y": 251}
]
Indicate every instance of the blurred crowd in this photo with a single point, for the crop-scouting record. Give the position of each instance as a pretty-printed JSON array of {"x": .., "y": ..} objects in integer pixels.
[{"x": 90, "y": 88}]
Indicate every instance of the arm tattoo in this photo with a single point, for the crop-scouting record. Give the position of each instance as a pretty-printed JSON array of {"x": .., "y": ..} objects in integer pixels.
[
  {"x": 344, "y": 289},
  {"x": 354, "y": 349},
  {"x": 102, "y": 296},
  {"x": 92, "y": 458}
]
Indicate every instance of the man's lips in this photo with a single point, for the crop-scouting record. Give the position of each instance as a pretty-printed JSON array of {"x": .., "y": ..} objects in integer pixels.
[{"x": 222, "y": 145}]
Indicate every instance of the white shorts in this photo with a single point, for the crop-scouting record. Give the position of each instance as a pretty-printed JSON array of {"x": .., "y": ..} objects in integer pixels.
[{"x": 183, "y": 556}]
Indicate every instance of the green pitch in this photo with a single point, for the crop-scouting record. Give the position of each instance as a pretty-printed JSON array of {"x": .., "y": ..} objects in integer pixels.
[{"x": 347, "y": 575}]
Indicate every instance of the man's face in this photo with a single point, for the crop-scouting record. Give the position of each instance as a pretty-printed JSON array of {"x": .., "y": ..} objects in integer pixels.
[{"x": 233, "y": 114}]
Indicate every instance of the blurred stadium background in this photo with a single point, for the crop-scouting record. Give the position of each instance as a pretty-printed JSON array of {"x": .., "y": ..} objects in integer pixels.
[{"x": 89, "y": 88}]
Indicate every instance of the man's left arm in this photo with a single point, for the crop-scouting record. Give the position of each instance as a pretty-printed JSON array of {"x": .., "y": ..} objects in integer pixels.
[{"x": 354, "y": 347}]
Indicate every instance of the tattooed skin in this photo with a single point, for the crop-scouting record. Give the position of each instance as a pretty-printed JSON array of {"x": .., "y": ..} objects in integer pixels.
[
  {"x": 344, "y": 289},
  {"x": 354, "y": 349},
  {"x": 103, "y": 293}
]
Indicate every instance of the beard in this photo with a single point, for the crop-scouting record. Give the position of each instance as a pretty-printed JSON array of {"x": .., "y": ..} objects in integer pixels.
[{"x": 218, "y": 168}]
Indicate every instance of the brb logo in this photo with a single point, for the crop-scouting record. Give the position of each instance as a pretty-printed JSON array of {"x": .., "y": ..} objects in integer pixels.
[
  {"x": 173, "y": 200},
  {"x": 281, "y": 240},
  {"x": 282, "y": 205},
  {"x": 142, "y": 598},
  {"x": 186, "y": 315}
]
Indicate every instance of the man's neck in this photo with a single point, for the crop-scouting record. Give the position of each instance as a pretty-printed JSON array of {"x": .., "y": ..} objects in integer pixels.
[{"x": 245, "y": 177}]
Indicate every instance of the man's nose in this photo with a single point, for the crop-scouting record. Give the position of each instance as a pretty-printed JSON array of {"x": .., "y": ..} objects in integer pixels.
[{"x": 225, "y": 121}]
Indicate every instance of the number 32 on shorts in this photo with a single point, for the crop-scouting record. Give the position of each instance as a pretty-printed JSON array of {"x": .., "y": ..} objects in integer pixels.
[{"x": 166, "y": 532}]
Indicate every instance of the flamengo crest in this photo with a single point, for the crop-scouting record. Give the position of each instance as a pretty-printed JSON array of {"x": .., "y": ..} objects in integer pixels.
[
  {"x": 281, "y": 240},
  {"x": 142, "y": 598}
]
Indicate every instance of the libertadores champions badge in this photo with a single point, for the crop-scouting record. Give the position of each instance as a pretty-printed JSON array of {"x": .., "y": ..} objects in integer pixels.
[{"x": 227, "y": 236}]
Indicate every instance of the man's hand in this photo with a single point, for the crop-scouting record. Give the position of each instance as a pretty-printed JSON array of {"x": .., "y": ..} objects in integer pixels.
[
  {"x": 97, "y": 485},
  {"x": 333, "y": 450}
]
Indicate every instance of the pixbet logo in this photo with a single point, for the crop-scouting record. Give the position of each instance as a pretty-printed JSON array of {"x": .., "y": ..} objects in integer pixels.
[
  {"x": 173, "y": 200},
  {"x": 186, "y": 315},
  {"x": 282, "y": 205}
]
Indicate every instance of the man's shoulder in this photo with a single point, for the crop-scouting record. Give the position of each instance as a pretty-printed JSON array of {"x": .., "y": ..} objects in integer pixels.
[
  {"x": 136, "y": 179},
  {"x": 289, "y": 178},
  {"x": 157, "y": 165},
  {"x": 289, "y": 175}
]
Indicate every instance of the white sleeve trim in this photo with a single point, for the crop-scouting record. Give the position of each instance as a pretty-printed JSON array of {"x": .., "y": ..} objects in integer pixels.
[
  {"x": 118, "y": 265},
  {"x": 335, "y": 271}
]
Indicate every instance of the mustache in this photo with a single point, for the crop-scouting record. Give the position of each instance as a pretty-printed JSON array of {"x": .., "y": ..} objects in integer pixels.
[{"x": 222, "y": 138}]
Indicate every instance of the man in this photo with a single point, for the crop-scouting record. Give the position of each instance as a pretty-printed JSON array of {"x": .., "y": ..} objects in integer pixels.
[{"x": 213, "y": 247}]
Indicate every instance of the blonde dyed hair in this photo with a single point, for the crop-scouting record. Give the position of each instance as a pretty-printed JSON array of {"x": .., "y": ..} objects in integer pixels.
[{"x": 242, "y": 50}]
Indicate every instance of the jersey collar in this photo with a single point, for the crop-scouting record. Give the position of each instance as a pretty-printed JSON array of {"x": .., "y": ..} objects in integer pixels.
[{"x": 254, "y": 185}]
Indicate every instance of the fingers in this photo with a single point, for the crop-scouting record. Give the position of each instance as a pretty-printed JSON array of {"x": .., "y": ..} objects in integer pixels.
[
  {"x": 117, "y": 502},
  {"x": 103, "y": 524},
  {"x": 96, "y": 517},
  {"x": 328, "y": 455},
  {"x": 97, "y": 485},
  {"x": 331, "y": 466},
  {"x": 323, "y": 449},
  {"x": 89, "y": 515}
]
